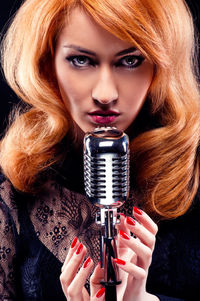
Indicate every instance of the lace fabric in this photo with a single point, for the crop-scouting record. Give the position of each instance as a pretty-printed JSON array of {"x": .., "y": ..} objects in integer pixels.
[
  {"x": 53, "y": 218},
  {"x": 37, "y": 230}
]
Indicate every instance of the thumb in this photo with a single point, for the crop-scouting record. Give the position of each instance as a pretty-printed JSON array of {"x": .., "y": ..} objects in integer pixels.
[{"x": 97, "y": 289}]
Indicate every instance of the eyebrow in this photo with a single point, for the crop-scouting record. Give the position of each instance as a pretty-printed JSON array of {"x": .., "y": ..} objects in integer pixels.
[{"x": 83, "y": 50}]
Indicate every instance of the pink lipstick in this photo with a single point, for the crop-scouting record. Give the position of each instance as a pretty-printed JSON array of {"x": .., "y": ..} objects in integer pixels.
[{"x": 103, "y": 117}]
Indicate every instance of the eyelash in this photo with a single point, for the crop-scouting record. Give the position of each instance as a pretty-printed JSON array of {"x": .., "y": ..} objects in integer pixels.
[{"x": 90, "y": 62}]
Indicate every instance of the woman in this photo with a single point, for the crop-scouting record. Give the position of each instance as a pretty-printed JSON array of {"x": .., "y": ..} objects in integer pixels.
[{"x": 81, "y": 64}]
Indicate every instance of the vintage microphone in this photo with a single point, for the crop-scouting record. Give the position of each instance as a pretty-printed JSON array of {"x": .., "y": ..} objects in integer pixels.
[{"x": 106, "y": 180}]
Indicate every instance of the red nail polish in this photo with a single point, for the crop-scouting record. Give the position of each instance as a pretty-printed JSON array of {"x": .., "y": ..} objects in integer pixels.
[
  {"x": 80, "y": 248},
  {"x": 87, "y": 262},
  {"x": 130, "y": 221},
  {"x": 119, "y": 261},
  {"x": 137, "y": 210},
  {"x": 74, "y": 242},
  {"x": 122, "y": 214},
  {"x": 100, "y": 292},
  {"x": 124, "y": 235}
]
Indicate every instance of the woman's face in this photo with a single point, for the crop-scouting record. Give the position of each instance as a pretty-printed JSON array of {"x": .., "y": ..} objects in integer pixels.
[{"x": 102, "y": 79}]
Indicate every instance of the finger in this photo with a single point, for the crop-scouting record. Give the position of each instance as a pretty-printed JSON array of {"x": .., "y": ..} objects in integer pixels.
[
  {"x": 97, "y": 290},
  {"x": 73, "y": 247},
  {"x": 76, "y": 287},
  {"x": 72, "y": 266},
  {"x": 122, "y": 225},
  {"x": 85, "y": 294},
  {"x": 132, "y": 269},
  {"x": 145, "y": 220},
  {"x": 143, "y": 252},
  {"x": 95, "y": 280},
  {"x": 141, "y": 232},
  {"x": 123, "y": 251},
  {"x": 99, "y": 296}
]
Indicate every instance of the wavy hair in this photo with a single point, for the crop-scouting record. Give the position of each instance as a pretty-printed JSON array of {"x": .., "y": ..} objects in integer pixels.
[{"x": 164, "y": 157}]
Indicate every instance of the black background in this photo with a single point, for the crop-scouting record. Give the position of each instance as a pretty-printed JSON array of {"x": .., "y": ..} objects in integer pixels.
[{"x": 7, "y": 97}]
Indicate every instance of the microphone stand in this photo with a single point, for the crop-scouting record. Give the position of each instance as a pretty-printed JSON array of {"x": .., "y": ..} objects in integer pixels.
[
  {"x": 106, "y": 179},
  {"x": 107, "y": 218}
]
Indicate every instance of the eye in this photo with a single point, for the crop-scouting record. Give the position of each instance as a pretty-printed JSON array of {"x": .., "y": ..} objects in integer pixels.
[
  {"x": 131, "y": 61},
  {"x": 80, "y": 61}
]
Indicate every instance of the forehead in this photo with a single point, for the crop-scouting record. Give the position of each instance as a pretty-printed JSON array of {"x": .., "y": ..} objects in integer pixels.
[{"x": 81, "y": 30}]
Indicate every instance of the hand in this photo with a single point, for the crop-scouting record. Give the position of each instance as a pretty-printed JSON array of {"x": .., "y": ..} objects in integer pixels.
[
  {"x": 73, "y": 280},
  {"x": 135, "y": 255}
]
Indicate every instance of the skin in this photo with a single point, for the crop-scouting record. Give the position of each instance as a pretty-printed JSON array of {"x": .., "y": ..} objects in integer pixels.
[
  {"x": 105, "y": 81},
  {"x": 136, "y": 254}
]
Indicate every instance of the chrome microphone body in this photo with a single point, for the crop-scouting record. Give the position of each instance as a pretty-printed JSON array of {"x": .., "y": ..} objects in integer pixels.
[{"x": 106, "y": 180}]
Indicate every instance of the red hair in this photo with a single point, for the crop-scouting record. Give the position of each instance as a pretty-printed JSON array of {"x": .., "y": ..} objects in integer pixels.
[{"x": 165, "y": 158}]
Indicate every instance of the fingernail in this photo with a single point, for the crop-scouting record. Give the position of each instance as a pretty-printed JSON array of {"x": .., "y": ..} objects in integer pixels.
[
  {"x": 130, "y": 221},
  {"x": 124, "y": 235},
  {"x": 87, "y": 262},
  {"x": 122, "y": 214},
  {"x": 100, "y": 292},
  {"x": 137, "y": 210},
  {"x": 80, "y": 248},
  {"x": 74, "y": 242},
  {"x": 99, "y": 264},
  {"x": 119, "y": 261}
]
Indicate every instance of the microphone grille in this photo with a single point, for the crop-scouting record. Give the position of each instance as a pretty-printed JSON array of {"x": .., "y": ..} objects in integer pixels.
[{"x": 106, "y": 167}]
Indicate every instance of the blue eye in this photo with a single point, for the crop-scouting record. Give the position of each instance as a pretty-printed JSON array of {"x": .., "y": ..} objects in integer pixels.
[
  {"x": 80, "y": 61},
  {"x": 131, "y": 61}
]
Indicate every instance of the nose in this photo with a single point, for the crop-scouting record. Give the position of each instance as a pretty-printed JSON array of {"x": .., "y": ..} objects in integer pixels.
[{"x": 105, "y": 90}]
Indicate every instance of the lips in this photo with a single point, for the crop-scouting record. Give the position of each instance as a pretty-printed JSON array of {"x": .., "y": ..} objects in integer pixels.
[{"x": 103, "y": 117}]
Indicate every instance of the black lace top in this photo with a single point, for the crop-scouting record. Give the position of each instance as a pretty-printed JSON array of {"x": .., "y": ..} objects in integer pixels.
[{"x": 37, "y": 230}]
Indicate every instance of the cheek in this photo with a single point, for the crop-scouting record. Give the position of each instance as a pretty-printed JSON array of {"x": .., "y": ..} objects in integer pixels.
[
  {"x": 72, "y": 88},
  {"x": 135, "y": 88},
  {"x": 71, "y": 91}
]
